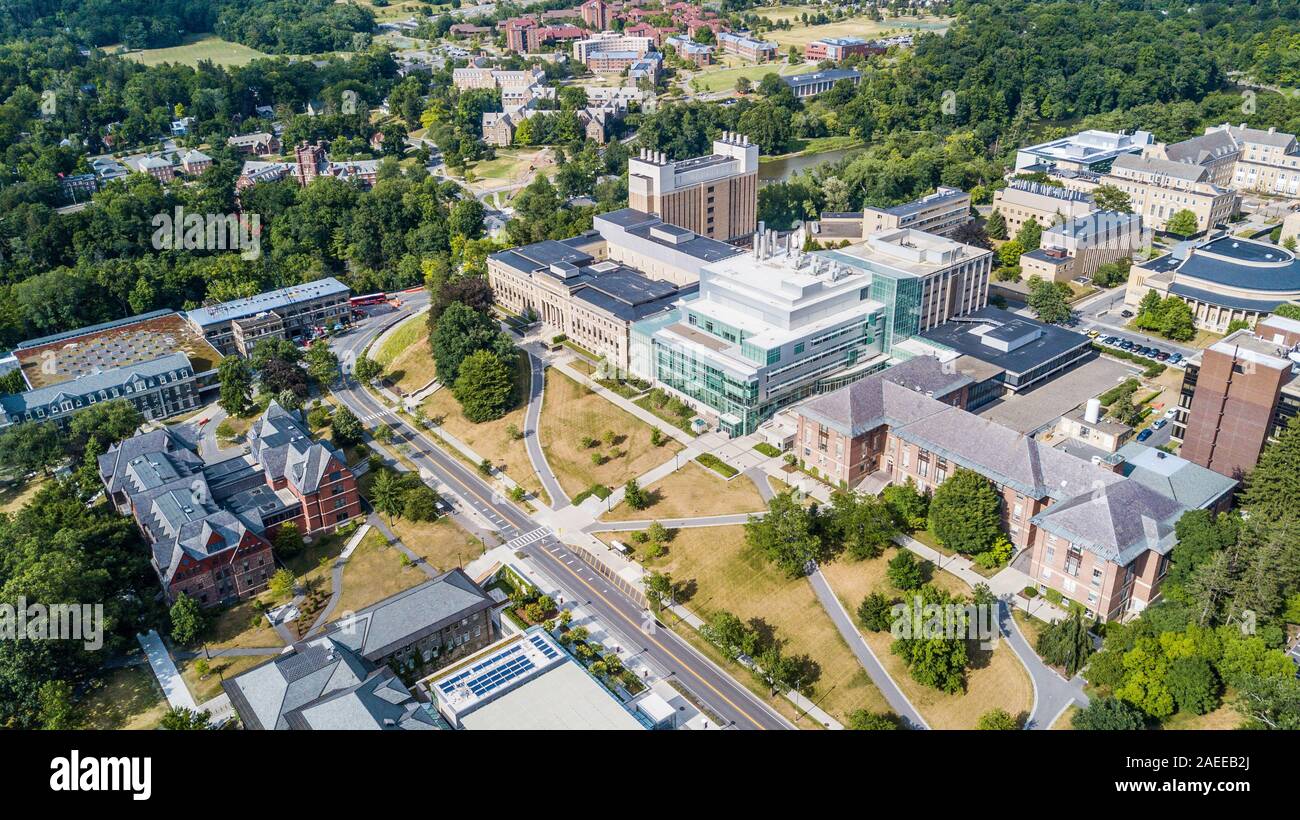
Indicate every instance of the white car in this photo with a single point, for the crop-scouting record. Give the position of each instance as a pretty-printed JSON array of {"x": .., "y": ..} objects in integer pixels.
[{"x": 1171, "y": 412}]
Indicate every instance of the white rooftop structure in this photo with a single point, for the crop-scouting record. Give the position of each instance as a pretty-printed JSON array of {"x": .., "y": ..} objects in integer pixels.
[
  {"x": 525, "y": 682},
  {"x": 1084, "y": 150}
]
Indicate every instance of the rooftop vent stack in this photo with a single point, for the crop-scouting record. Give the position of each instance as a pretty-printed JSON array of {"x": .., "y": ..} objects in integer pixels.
[{"x": 1092, "y": 412}]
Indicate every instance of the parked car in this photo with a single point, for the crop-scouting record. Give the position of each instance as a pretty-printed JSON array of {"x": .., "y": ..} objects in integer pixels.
[
  {"x": 1144, "y": 435},
  {"x": 1174, "y": 358},
  {"x": 1171, "y": 412},
  {"x": 1110, "y": 340},
  {"x": 1127, "y": 314},
  {"x": 1092, "y": 334},
  {"x": 1159, "y": 423},
  {"x": 1162, "y": 356},
  {"x": 1126, "y": 345}
]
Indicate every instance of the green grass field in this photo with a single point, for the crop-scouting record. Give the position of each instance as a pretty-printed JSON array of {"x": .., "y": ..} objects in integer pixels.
[
  {"x": 862, "y": 26},
  {"x": 207, "y": 47},
  {"x": 724, "y": 79}
]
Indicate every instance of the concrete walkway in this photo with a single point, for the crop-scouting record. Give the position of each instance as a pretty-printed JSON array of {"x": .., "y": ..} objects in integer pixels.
[
  {"x": 866, "y": 657},
  {"x": 532, "y": 422},
  {"x": 169, "y": 677}
]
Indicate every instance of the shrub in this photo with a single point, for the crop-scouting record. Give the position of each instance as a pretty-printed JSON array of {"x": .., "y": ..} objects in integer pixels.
[
  {"x": 905, "y": 571},
  {"x": 874, "y": 612},
  {"x": 716, "y": 464}
]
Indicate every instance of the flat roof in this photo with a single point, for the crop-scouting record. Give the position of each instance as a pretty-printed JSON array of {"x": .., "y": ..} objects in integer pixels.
[
  {"x": 834, "y": 75},
  {"x": 271, "y": 300},
  {"x": 64, "y": 357},
  {"x": 966, "y": 337},
  {"x": 527, "y": 682}
]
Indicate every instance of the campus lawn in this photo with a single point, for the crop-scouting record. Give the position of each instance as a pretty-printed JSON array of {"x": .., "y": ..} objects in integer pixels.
[
  {"x": 719, "y": 572},
  {"x": 1225, "y": 717},
  {"x": 219, "y": 669},
  {"x": 413, "y": 368},
  {"x": 694, "y": 490},
  {"x": 819, "y": 145},
  {"x": 443, "y": 544},
  {"x": 1065, "y": 721},
  {"x": 571, "y": 411},
  {"x": 240, "y": 626},
  {"x": 724, "y": 79},
  {"x": 125, "y": 698},
  {"x": 219, "y": 51},
  {"x": 995, "y": 680},
  {"x": 491, "y": 439},
  {"x": 373, "y": 572},
  {"x": 862, "y": 26}
]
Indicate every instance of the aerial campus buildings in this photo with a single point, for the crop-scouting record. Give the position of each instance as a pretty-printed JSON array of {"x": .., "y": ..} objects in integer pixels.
[
  {"x": 163, "y": 362},
  {"x": 1099, "y": 531},
  {"x": 715, "y": 195}
]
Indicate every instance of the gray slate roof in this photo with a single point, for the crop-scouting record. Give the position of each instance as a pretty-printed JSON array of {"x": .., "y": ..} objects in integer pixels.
[
  {"x": 1118, "y": 521},
  {"x": 402, "y": 619}
]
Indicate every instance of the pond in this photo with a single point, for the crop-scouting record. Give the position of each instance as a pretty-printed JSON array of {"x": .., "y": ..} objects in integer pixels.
[{"x": 780, "y": 170}]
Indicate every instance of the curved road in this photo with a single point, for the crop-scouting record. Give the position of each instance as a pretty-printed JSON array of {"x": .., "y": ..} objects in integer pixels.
[{"x": 639, "y": 634}]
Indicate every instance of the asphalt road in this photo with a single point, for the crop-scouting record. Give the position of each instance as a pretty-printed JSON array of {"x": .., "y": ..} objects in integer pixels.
[{"x": 635, "y": 630}]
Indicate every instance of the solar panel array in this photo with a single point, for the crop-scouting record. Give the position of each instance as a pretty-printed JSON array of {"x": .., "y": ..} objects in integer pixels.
[
  {"x": 546, "y": 649},
  {"x": 491, "y": 674}
]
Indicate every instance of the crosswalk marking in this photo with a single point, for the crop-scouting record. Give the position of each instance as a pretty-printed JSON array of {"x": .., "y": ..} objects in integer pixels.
[{"x": 528, "y": 538}]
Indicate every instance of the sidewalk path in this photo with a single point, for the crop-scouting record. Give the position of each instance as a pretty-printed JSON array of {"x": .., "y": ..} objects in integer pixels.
[
  {"x": 532, "y": 420},
  {"x": 849, "y": 631},
  {"x": 673, "y": 523},
  {"x": 173, "y": 686}
]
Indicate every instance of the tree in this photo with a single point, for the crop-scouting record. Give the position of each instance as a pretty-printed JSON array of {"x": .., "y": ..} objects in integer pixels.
[
  {"x": 484, "y": 386},
  {"x": 33, "y": 445},
  {"x": 1274, "y": 485},
  {"x": 187, "y": 620},
  {"x": 658, "y": 588},
  {"x": 180, "y": 719},
  {"x": 635, "y": 497},
  {"x": 909, "y": 506},
  {"x": 875, "y": 612},
  {"x": 965, "y": 512},
  {"x": 1182, "y": 223},
  {"x": 322, "y": 364},
  {"x": 57, "y": 711},
  {"x": 657, "y": 532},
  {"x": 1194, "y": 685},
  {"x": 1146, "y": 679},
  {"x": 460, "y": 332},
  {"x": 236, "y": 380},
  {"x": 905, "y": 571},
  {"x": 996, "y": 227},
  {"x": 288, "y": 540},
  {"x": 420, "y": 503},
  {"x": 1030, "y": 235},
  {"x": 997, "y": 720},
  {"x": 466, "y": 217},
  {"x": 730, "y": 635},
  {"x": 1111, "y": 198},
  {"x": 346, "y": 427},
  {"x": 863, "y": 721},
  {"x": 1108, "y": 714},
  {"x": 1047, "y": 300},
  {"x": 743, "y": 85},
  {"x": 282, "y": 583},
  {"x": 1270, "y": 702},
  {"x": 367, "y": 369},
  {"x": 386, "y": 494},
  {"x": 785, "y": 535},
  {"x": 864, "y": 524},
  {"x": 935, "y": 660},
  {"x": 106, "y": 421},
  {"x": 1066, "y": 643}
]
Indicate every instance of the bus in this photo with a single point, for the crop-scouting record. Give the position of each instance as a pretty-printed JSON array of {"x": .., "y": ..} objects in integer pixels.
[{"x": 371, "y": 299}]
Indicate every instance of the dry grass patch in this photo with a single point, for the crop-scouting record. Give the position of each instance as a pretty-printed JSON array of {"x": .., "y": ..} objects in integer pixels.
[
  {"x": 15, "y": 495},
  {"x": 222, "y": 668},
  {"x": 571, "y": 411},
  {"x": 694, "y": 490},
  {"x": 996, "y": 679},
  {"x": 1066, "y": 720},
  {"x": 375, "y": 571},
  {"x": 241, "y": 626},
  {"x": 719, "y": 572},
  {"x": 491, "y": 439},
  {"x": 1224, "y": 718},
  {"x": 126, "y": 698},
  {"x": 443, "y": 544}
]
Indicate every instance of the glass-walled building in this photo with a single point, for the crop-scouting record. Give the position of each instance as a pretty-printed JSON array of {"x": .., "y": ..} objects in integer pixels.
[{"x": 765, "y": 330}]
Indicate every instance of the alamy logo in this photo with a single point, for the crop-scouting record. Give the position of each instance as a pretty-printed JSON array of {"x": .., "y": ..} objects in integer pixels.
[
  {"x": 53, "y": 622},
  {"x": 208, "y": 232},
  {"x": 75, "y": 773}
]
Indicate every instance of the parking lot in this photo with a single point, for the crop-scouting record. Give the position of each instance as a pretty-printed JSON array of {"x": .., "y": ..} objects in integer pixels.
[{"x": 1164, "y": 355}]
